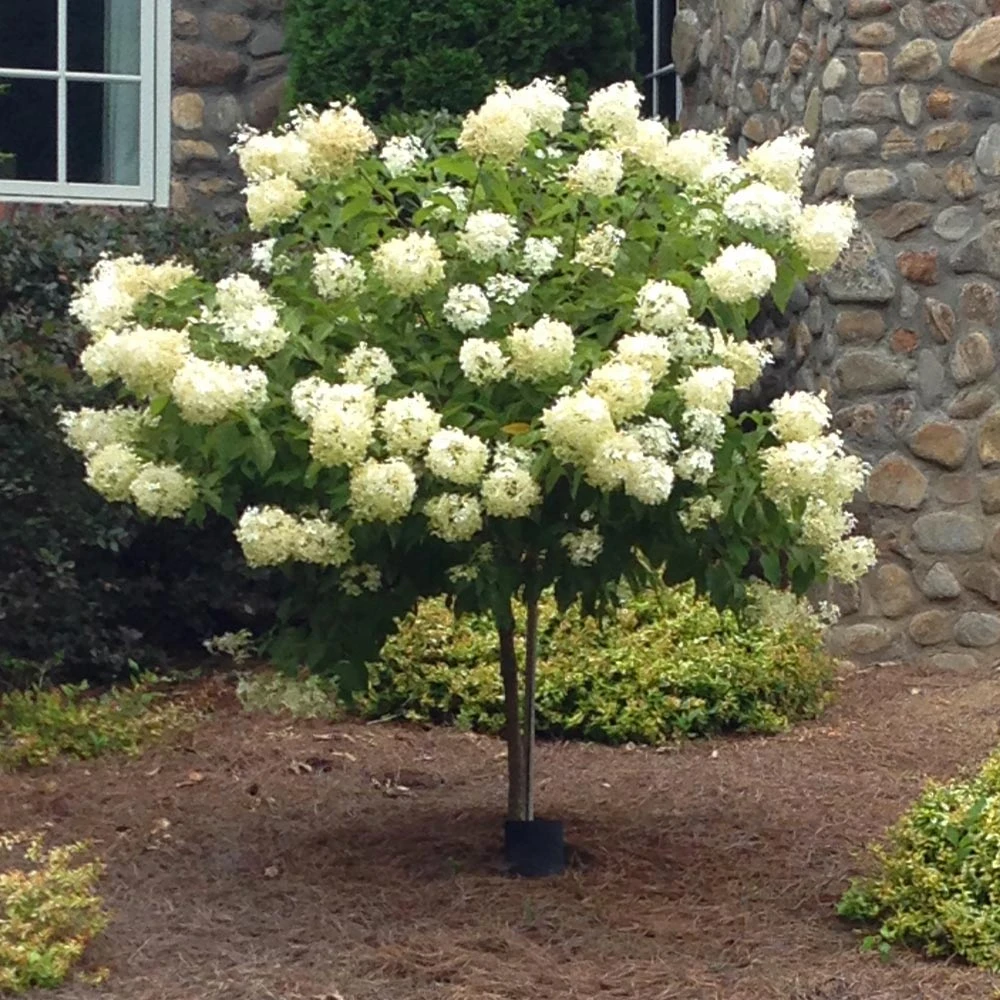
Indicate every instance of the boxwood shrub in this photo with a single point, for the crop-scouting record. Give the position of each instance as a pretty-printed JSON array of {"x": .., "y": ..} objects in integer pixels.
[
  {"x": 936, "y": 886},
  {"x": 668, "y": 665}
]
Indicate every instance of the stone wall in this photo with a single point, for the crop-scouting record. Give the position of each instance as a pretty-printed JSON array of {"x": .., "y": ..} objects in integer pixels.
[
  {"x": 902, "y": 100},
  {"x": 228, "y": 69}
]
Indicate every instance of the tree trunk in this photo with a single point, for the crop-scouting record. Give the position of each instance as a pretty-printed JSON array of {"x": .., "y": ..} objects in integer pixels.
[
  {"x": 518, "y": 804},
  {"x": 528, "y": 730}
]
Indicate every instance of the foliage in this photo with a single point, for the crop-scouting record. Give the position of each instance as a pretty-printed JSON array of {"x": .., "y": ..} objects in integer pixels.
[
  {"x": 937, "y": 884},
  {"x": 50, "y": 911},
  {"x": 301, "y": 697},
  {"x": 666, "y": 665},
  {"x": 85, "y": 587},
  {"x": 39, "y": 725},
  {"x": 397, "y": 56}
]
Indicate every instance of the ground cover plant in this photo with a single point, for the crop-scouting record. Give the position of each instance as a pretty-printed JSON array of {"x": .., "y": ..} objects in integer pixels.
[
  {"x": 936, "y": 886},
  {"x": 506, "y": 368},
  {"x": 41, "y": 724},
  {"x": 50, "y": 910}
]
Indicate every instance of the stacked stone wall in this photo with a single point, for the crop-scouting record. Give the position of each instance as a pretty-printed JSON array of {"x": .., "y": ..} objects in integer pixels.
[
  {"x": 902, "y": 100},
  {"x": 228, "y": 69}
]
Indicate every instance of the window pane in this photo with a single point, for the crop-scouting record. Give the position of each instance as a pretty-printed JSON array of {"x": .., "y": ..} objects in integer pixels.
[
  {"x": 28, "y": 130},
  {"x": 28, "y": 34},
  {"x": 103, "y": 127},
  {"x": 103, "y": 36}
]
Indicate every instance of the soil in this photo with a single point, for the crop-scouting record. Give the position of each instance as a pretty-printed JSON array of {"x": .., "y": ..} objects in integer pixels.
[{"x": 255, "y": 858}]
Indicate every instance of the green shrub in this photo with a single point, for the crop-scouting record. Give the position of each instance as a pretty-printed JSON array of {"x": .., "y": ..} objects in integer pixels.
[
  {"x": 49, "y": 912},
  {"x": 395, "y": 55},
  {"x": 39, "y": 725},
  {"x": 302, "y": 697},
  {"x": 937, "y": 887},
  {"x": 668, "y": 665},
  {"x": 81, "y": 582}
]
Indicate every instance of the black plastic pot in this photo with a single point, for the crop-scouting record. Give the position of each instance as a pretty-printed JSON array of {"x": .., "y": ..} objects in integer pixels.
[{"x": 536, "y": 848}]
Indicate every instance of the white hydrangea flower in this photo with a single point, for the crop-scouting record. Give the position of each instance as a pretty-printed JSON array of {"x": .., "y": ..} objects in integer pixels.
[
  {"x": 356, "y": 579},
  {"x": 576, "y": 425},
  {"x": 262, "y": 255},
  {"x": 818, "y": 468},
  {"x": 698, "y": 158},
  {"x": 583, "y": 547},
  {"x": 597, "y": 172},
  {"x": 500, "y": 128},
  {"x": 466, "y": 308},
  {"x": 264, "y": 156},
  {"x": 760, "y": 206},
  {"x": 273, "y": 201},
  {"x": 310, "y": 395},
  {"x": 540, "y": 255},
  {"x": 543, "y": 351},
  {"x": 337, "y": 275},
  {"x": 163, "y": 490},
  {"x": 849, "y": 560},
  {"x": 117, "y": 285},
  {"x": 482, "y": 361},
  {"x": 746, "y": 359},
  {"x": 648, "y": 351},
  {"x": 401, "y": 153},
  {"x": 822, "y": 233},
  {"x": 703, "y": 429},
  {"x": 649, "y": 479},
  {"x": 599, "y": 248},
  {"x": 454, "y": 517},
  {"x": 626, "y": 388},
  {"x": 458, "y": 196},
  {"x": 270, "y": 536},
  {"x": 655, "y": 436},
  {"x": 822, "y": 525},
  {"x": 487, "y": 235},
  {"x": 457, "y": 457},
  {"x": 337, "y": 138},
  {"x": 661, "y": 307},
  {"x": 740, "y": 273},
  {"x": 207, "y": 392},
  {"x": 614, "y": 111},
  {"x": 382, "y": 491},
  {"x": 647, "y": 145},
  {"x": 367, "y": 366},
  {"x": 248, "y": 315},
  {"x": 111, "y": 470},
  {"x": 609, "y": 464},
  {"x": 505, "y": 288},
  {"x": 146, "y": 359},
  {"x": 509, "y": 490},
  {"x": 781, "y": 162},
  {"x": 88, "y": 430},
  {"x": 409, "y": 265},
  {"x": 696, "y": 465},
  {"x": 407, "y": 424},
  {"x": 708, "y": 389},
  {"x": 692, "y": 345},
  {"x": 342, "y": 424},
  {"x": 321, "y": 542},
  {"x": 800, "y": 416},
  {"x": 699, "y": 512},
  {"x": 545, "y": 104}
]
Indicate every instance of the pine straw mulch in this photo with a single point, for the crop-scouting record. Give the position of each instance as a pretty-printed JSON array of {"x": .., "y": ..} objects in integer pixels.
[{"x": 266, "y": 860}]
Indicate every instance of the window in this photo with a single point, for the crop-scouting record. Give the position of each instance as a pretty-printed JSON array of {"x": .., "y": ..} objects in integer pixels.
[
  {"x": 84, "y": 100},
  {"x": 664, "y": 94}
]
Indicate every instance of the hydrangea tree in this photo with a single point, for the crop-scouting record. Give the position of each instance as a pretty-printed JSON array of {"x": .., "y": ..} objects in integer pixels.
[{"x": 511, "y": 366}]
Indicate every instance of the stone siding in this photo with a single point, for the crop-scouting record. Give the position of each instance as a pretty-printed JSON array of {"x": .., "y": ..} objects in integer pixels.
[
  {"x": 228, "y": 69},
  {"x": 902, "y": 102}
]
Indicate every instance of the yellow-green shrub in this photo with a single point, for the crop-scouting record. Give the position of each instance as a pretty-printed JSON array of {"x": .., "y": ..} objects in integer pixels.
[
  {"x": 39, "y": 725},
  {"x": 938, "y": 881},
  {"x": 49, "y": 911},
  {"x": 667, "y": 665}
]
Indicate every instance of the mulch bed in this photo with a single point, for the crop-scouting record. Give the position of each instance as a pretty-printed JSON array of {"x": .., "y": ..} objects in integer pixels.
[{"x": 260, "y": 859}]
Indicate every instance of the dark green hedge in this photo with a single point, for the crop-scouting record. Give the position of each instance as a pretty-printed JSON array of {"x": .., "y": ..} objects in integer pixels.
[
  {"x": 84, "y": 584},
  {"x": 401, "y": 55}
]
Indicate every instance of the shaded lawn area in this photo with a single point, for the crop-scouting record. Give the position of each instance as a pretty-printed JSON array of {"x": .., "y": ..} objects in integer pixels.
[{"x": 259, "y": 859}]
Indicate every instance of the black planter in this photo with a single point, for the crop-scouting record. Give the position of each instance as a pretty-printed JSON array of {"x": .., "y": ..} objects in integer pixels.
[{"x": 535, "y": 848}]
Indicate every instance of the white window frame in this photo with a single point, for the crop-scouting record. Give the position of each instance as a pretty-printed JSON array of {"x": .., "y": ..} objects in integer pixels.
[
  {"x": 154, "y": 119},
  {"x": 659, "y": 69}
]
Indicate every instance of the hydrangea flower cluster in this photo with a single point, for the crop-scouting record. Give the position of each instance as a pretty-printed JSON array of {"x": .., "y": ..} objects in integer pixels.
[{"x": 534, "y": 327}]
